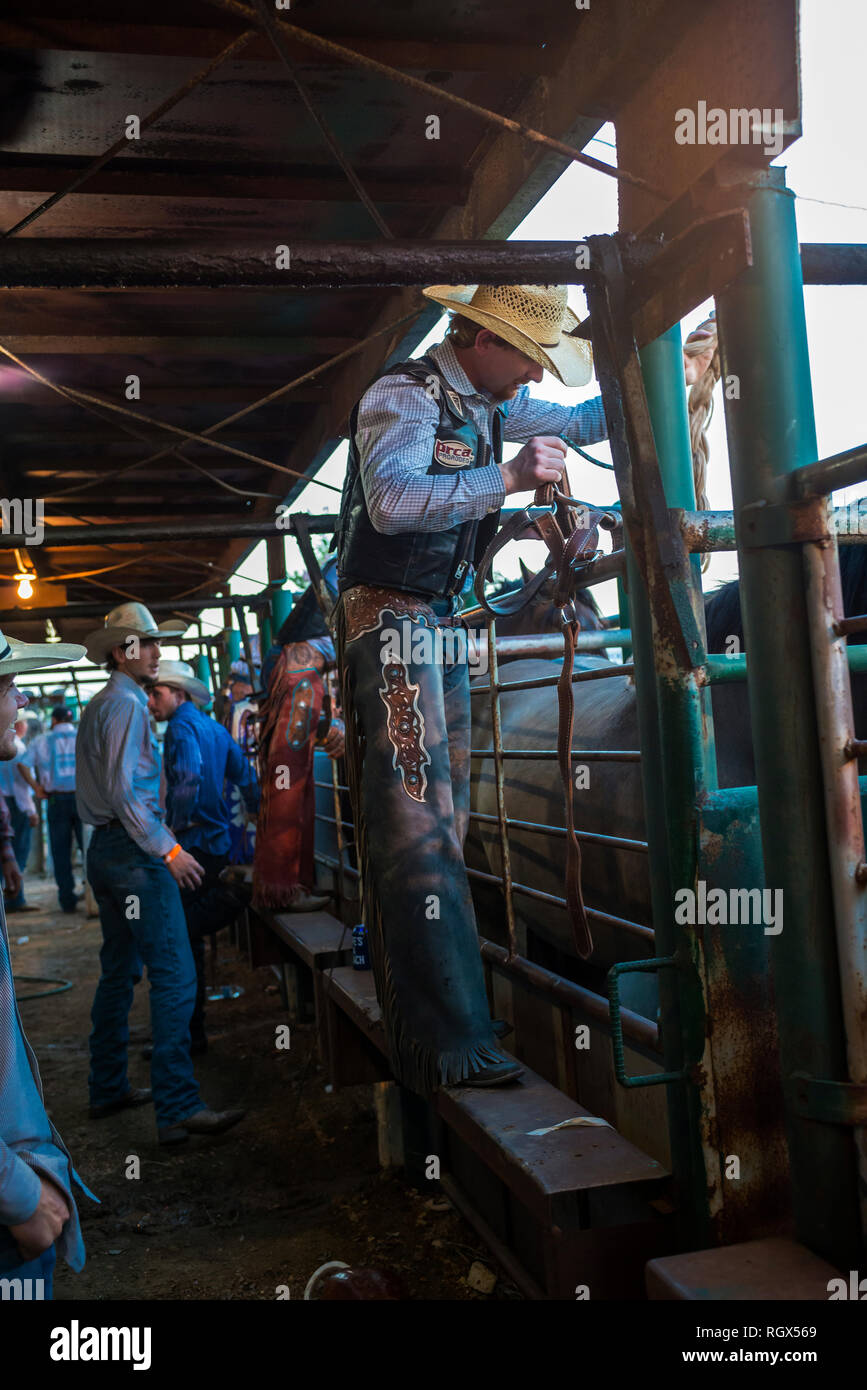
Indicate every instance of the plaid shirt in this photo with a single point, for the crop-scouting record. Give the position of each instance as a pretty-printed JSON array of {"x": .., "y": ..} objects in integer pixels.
[{"x": 397, "y": 422}]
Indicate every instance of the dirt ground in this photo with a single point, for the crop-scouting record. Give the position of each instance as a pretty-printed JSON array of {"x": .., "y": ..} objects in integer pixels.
[{"x": 297, "y": 1183}]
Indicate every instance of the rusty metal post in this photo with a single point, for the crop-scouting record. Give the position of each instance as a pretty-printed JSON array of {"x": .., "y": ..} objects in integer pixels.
[
  {"x": 685, "y": 765},
  {"x": 842, "y": 809},
  {"x": 502, "y": 827},
  {"x": 771, "y": 432}
]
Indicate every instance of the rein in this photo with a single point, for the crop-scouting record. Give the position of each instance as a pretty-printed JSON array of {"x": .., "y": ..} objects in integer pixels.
[{"x": 571, "y": 532}]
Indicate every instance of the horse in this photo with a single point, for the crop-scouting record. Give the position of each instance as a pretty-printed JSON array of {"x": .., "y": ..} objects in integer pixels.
[
  {"x": 541, "y": 614},
  {"x": 616, "y": 880}
]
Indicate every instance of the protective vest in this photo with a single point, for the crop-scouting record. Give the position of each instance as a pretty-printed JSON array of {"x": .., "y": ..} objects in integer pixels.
[{"x": 431, "y": 563}]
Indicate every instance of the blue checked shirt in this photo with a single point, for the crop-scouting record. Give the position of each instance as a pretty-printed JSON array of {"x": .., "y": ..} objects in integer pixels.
[
  {"x": 199, "y": 754},
  {"x": 395, "y": 429}
]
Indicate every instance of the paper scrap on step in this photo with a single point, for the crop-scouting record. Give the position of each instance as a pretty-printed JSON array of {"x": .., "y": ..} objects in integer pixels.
[{"x": 571, "y": 1124}]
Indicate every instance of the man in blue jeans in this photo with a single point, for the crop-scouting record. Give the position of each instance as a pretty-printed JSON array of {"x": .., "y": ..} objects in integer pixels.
[
  {"x": 53, "y": 757},
  {"x": 136, "y": 869},
  {"x": 37, "y": 1209}
]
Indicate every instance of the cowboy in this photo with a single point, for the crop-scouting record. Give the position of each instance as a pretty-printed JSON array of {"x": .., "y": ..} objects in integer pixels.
[
  {"x": 54, "y": 765},
  {"x": 38, "y": 1215},
  {"x": 198, "y": 757},
  {"x": 425, "y": 482},
  {"x": 296, "y": 717},
  {"x": 238, "y": 715},
  {"x": 136, "y": 869}
]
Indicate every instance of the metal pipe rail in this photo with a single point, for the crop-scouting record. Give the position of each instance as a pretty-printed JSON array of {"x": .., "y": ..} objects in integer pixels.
[
  {"x": 827, "y": 475},
  {"x": 120, "y": 263},
  {"x": 639, "y": 1030},
  {"x": 602, "y": 674},
  {"x": 711, "y": 531},
  {"x": 645, "y": 934},
  {"x": 559, "y": 832},
  {"x": 589, "y": 755},
  {"x": 543, "y": 644}
]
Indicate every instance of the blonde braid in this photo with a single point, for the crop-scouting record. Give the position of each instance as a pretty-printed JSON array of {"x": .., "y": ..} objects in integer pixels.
[{"x": 700, "y": 406}]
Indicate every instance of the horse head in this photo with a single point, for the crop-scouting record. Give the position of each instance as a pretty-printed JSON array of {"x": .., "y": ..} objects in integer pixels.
[{"x": 541, "y": 613}]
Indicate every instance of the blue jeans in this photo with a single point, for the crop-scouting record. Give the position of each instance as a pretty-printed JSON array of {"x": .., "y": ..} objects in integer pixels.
[
  {"x": 12, "y": 1267},
  {"x": 63, "y": 823},
  {"x": 142, "y": 924},
  {"x": 22, "y": 834}
]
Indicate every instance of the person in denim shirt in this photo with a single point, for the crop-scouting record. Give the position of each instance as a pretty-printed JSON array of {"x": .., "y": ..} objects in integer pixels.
[
  {"x": 38, "y": 1215},
  {"x": 136, "y": 868}
]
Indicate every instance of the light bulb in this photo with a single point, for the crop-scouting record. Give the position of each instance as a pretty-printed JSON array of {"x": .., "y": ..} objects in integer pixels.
[{"x": 25, "y": 589}]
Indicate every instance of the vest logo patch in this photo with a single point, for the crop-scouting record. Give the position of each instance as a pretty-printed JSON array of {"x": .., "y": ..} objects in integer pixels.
[{"x": 453, "y": 453}]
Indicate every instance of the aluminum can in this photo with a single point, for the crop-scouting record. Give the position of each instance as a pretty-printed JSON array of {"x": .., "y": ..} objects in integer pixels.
[{"x": 360, "y": 952}]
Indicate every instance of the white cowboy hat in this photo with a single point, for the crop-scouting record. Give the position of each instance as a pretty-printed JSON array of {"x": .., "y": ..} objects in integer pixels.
[
  {"x": 16, "y": 657},
  {"x": 535, "y": 319},
  {"x": 181, "y": 676},
  {"x": 130, "y": 619}
]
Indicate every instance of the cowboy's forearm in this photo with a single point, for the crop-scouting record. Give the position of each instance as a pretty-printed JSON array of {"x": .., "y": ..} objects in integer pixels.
[
  {"x": 580, "y": 424},
  {"x": 418, "y": 502}
]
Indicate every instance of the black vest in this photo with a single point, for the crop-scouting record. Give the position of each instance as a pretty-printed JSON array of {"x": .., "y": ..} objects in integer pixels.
[{"x": 431, "y": 563}]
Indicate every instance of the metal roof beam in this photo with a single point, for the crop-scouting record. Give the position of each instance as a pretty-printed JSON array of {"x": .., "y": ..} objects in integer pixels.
[{"x": 71, "y": 34}]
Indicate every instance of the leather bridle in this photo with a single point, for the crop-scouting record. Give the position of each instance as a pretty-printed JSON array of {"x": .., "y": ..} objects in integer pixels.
[{"x": 571, "y": 532}]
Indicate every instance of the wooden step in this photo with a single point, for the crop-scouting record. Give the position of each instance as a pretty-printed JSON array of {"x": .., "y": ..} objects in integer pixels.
[
  {"x": 567, "y": 1178},
  {"x": 775, "y": 1268},
  {"x": 317, "y": 938},
  {"x": 564, "y": 1178}
]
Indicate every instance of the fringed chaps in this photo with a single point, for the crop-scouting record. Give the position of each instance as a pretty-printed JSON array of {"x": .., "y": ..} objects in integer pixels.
[
  {"x": 407, "y": 756},
  {"x": 285, "y": 840}
]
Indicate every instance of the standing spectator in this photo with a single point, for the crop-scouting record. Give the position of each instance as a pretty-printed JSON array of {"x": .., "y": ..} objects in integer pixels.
[
  {"x": 296, "y": 717},
  {"x": 16, "y": 790},
  {"x": 38, "y": 1216},
  {"x": 199, "y": 755},
  {"x": 239, "y": 717},
  {"x": 53, "y": 756},
  {"x": 137, "y": 869}
]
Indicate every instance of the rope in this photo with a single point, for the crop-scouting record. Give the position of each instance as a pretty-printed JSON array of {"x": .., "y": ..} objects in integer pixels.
[
  {"x": 348, "y": 55},
  {"x": 247, "y": 409},
  {"x": 269, "y": 24},
  {"x": 123, "y": 143},
  {"x": 85, "y": 396}
]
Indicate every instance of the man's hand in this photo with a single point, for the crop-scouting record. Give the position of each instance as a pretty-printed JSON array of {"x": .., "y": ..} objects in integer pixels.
[
  {"x": 12, "y": 880},
  {"x": 45, "y": 1225},
  {"x": 40, "y": 793},
  {"x": 186, "y": 870},
  {"x": 33, "y": 818},
  {"x": 542, "y": 460},
  {"x": 334, "y": 741}
]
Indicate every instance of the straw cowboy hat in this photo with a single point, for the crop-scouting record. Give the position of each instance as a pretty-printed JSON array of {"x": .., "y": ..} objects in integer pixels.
[
  {"x": 16, "y": 658},
  {"x": 535, "y": 319},
  {"x": 129, "y": 620},
  {"x": 181, "y": 676}
]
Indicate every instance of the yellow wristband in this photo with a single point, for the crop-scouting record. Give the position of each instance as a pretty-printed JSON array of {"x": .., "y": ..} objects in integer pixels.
[{"x": 172, "y": 854}]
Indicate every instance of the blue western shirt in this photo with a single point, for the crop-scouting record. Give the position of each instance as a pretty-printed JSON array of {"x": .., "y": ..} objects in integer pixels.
[
  {"x": 117, "y": 774},
  {"x": 29, "y": 1143},
  {"x": 199, "y": 755}
]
